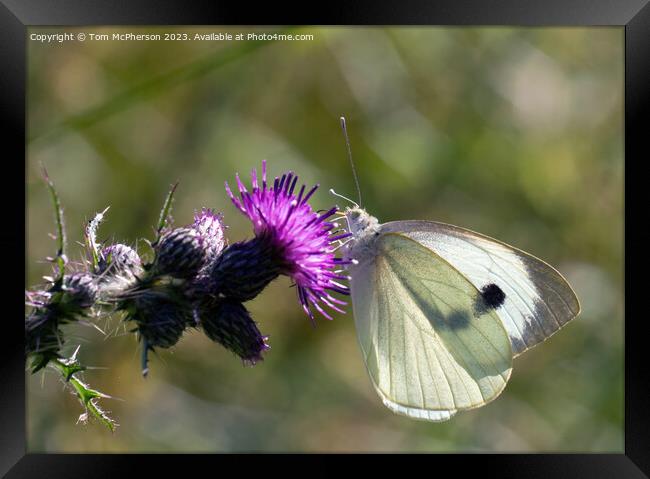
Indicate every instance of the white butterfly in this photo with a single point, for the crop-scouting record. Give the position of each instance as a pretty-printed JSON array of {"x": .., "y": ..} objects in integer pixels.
[{"x": 441, "y": 312}]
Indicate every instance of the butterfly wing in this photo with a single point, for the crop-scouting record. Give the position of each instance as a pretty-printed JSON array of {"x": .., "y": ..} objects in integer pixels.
[
  {"x": 538, "y": 300},
  {"x": 429, "y": 348}
]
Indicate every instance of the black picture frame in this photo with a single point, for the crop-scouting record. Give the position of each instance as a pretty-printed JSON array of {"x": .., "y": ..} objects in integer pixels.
[{"x": 633, "y": 15}]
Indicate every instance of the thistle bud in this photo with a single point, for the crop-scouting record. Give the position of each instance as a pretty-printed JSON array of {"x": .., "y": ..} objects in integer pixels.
[
  {"x": 119, "y": 260},
  {"x": 230, "y": 324},
  {"x": 66, "y": 302},
  {"x": 43, "y": 338},
  {"x": 179, "y": 253},
  {"x": 210, "y": 227},
  {"x": 80, "y": 290},
  {"x": 160, "y": 320},
  {"x": 244, "y": 269}
]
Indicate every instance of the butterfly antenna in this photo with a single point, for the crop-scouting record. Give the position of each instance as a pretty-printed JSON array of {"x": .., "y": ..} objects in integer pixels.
[
  {"x": 344, "y": 197},
  {"x": 347, "y": 144}
]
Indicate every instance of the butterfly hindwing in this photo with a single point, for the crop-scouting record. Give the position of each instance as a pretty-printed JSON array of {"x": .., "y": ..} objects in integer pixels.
[
  {"x": 537, "y": 300},
  {"x": 430, "y": 344}
]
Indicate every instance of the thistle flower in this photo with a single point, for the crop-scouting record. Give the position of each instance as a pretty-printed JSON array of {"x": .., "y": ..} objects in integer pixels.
[
  {"x": 290, "y": 239},
  {"x": 230, "y": 324},
  {"x": 179, "y": 253}
]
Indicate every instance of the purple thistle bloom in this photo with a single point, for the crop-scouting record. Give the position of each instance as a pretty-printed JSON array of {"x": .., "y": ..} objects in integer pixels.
[
  {"x": 303, "y": 241},
  {"x": 209, "y": 226}
]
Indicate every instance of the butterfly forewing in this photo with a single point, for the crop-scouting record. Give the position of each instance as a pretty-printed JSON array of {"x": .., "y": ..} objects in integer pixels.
[
  {"x": 430, "y": 346},
  {"x": 538, "y": 300}
]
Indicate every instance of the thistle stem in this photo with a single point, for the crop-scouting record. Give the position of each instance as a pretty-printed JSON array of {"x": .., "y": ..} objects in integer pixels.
[{"x": 60, "y": 258}]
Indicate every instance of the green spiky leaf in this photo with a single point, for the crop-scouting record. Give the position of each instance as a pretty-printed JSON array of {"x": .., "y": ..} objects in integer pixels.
[{"x": 88, "y": 397}]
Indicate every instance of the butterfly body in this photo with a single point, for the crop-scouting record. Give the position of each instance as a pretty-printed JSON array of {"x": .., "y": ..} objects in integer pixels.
[
  {"x": 441, "y": 311},
  {"x": 365, "y": 230}
]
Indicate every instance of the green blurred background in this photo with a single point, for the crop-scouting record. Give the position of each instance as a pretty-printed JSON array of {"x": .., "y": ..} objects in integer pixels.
[{"x": 513, "y": 132}]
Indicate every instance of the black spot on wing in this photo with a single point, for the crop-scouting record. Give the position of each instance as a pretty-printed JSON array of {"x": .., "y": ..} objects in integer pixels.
[{"x": 492, "y": 295}]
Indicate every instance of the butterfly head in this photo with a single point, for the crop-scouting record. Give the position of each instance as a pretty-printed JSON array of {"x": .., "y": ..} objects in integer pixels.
[
  {"x": 360, "y": 223},
  {"x": 364, "y": 228}
]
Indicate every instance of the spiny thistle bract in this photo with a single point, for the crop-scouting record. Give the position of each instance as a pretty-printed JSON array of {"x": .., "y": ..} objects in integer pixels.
[{"x": 194, "y": 279}]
